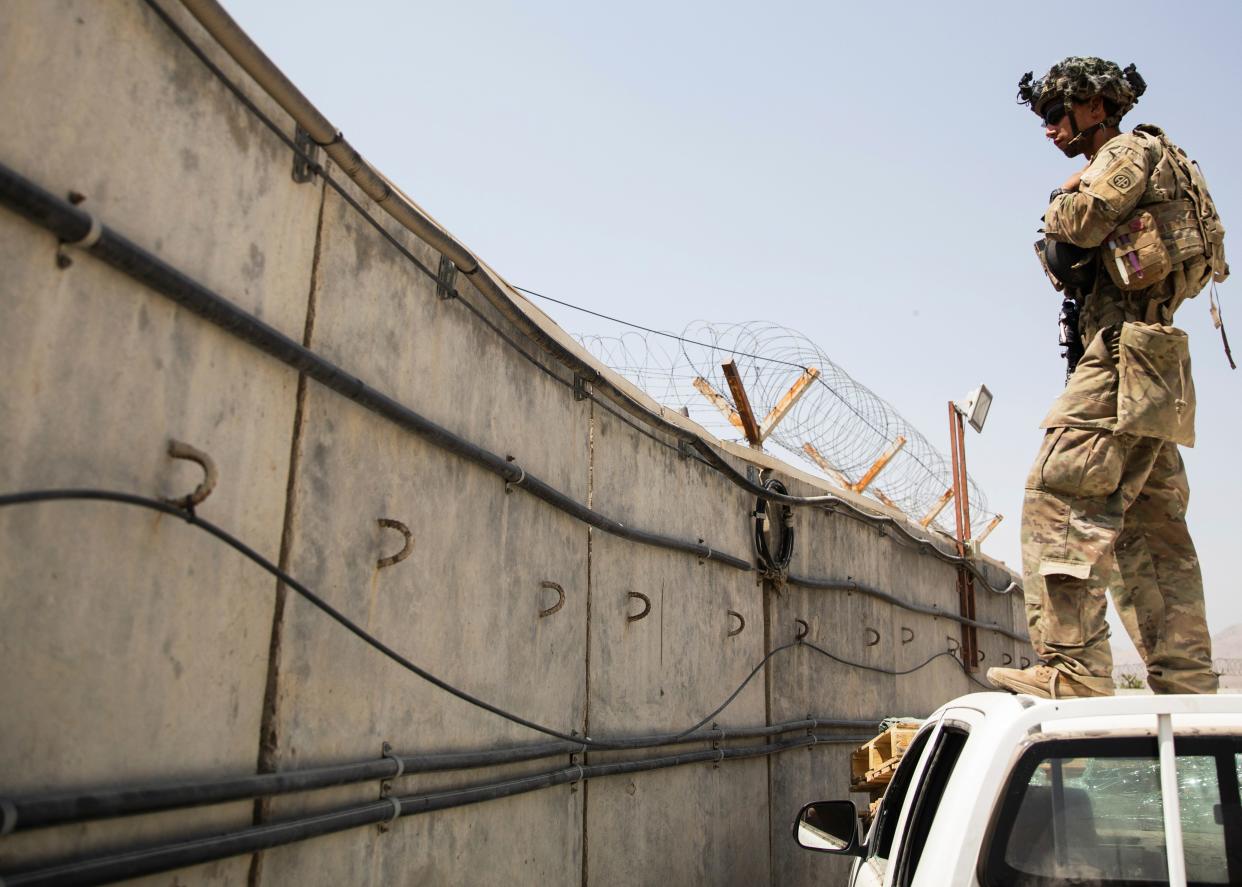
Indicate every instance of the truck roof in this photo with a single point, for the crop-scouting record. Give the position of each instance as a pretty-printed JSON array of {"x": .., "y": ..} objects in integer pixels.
[{"x": 1124, "y": 715}]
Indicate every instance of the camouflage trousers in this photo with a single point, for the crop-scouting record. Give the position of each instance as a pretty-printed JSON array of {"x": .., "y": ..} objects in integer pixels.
[{"x": 1105, "y": 510}]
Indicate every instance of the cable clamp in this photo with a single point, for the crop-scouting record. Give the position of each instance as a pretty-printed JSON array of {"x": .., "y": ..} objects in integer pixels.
[
  {"x": 92, "y": 236},
  {"x": 389, "y": 753},
  {"x": 510, "y": 484},
  {"x": 581, "y": 773},
  {"x": 396, "y": 808}
]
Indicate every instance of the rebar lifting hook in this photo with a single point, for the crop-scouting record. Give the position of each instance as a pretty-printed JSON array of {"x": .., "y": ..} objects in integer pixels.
[
  {"x": 638, "y": 595},
  {"x": 180, "y": 450},
  {"x": 907, "y": 635},
  {"x": 872, "y": 643},
  {"x": 741, "y": 623},
  {"x": 391, "y": 524},
  {"x": 560, "y": 601},
  {"x": 803, "y": 629}
]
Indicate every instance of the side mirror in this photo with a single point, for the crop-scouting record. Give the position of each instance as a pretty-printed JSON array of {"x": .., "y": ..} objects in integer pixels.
[{"x": 829, "y": 827}]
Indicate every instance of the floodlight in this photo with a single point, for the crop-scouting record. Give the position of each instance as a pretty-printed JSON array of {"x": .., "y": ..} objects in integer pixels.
[{"x": 975, "y": 407}]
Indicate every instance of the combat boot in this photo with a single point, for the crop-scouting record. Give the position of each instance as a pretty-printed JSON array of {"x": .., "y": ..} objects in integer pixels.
[{"x": 1043, "y": 681}]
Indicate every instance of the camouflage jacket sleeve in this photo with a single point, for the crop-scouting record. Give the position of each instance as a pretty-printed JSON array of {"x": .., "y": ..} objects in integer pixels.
[{"x": 1111, "y": 188}]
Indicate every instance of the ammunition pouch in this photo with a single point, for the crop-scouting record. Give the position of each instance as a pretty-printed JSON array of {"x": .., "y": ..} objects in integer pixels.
[{"x": 1135, "y": 255}]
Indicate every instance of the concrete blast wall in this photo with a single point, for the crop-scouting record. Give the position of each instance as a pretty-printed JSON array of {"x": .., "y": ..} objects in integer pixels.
[{"x": 138, "y": 649}]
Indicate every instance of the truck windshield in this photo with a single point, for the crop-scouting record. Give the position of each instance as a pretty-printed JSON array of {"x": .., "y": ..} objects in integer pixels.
[{"x": 1089, "y": 812}]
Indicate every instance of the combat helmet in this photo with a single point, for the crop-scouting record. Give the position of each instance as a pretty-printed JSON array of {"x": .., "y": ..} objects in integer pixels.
[{"x": 1078, "y": 78}]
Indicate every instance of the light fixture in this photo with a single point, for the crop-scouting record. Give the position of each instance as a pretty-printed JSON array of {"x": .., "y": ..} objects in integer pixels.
[{"x": 975, "y": 407}]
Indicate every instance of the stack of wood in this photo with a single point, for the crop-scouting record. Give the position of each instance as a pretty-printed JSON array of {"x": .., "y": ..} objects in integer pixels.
[{"x": 873, "y": 763}]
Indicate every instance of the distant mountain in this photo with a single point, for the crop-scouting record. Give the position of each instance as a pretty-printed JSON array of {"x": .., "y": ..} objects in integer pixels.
[{"x": 1226, "y": 644}]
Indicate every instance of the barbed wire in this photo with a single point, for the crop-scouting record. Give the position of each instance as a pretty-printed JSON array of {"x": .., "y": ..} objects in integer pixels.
[{"x": 848, "y": 425}]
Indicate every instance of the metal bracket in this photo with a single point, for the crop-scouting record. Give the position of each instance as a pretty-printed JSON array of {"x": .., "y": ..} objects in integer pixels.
[
  {"x": 638, "y": 595},
  {"x": 446, "y": 278},
  {"x": 391, "y": 524},
  {"x": 560, "y": 601},
  {"x": 180, "y": 450},
  {"x": 581, "y": 392},
  {"x": 304, "y": 163}
]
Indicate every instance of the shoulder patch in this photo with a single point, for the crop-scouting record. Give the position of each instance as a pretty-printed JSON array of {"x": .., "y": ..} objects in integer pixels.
[{"x": 1118, "y": 186}]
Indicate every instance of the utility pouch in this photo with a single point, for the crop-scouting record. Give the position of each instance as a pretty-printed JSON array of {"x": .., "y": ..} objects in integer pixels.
[
  {"x": 1135, "y": 254},
  {"x": 1155, "y": 394},
  {"x": 1178, "y": 224}
]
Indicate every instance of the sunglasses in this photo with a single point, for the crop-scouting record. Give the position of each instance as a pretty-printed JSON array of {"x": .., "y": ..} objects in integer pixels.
[{"x": 1054, "y": 113}]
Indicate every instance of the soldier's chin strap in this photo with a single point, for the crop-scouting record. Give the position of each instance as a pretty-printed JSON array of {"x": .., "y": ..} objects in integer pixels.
[{"x": 1079, "y": 135}]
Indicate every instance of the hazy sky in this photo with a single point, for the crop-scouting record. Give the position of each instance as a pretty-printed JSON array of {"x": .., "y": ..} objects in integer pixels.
[{"x": 862, "y": 175}]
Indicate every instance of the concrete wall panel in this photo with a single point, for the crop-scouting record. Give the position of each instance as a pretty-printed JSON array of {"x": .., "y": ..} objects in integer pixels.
[{"x": 139, "y": 649}]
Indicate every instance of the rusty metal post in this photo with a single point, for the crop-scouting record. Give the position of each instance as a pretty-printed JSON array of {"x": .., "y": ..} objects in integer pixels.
[{"x": 961, "y": 513}]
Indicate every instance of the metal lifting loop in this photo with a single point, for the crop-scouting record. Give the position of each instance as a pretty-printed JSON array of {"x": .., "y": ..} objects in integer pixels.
[
  {"x": 180, "y": 450},
  {"x": 907, "y": 635},
  {"x": 638, "y": 595},
  {"x": 1008, "y": 660},
  {"x": 954, "y": 644},
  {"x": 560, "y": 602},
  {"x": 1026, "y": 663},
  {"x": 391, "y": 524},
  {"x": 870, "y": 642},
  {"x": 803, "y": 629},
  {"x": 741, "y": 623}
]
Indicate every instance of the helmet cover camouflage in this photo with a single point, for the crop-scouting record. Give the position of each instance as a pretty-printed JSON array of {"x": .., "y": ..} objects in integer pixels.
[{"x": 1078, "y": 78}]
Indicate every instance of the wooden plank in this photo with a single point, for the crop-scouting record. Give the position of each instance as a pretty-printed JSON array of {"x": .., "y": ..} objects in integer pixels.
[
  {"x": 937, "y": 508},
  {"x": 826, "y": 466},
  {"x": 718, "y": 400},
  {"x": 879, "y": 494},
  {"x": 741, "y": 403},
  {"x": 988, "y": 529},
  {"x": 875, "y": 469},
  {"x": 786, "y": 403}
]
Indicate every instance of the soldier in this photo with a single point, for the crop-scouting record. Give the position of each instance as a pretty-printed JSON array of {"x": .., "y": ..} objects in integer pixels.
[{"x": 1128, "y": 239}]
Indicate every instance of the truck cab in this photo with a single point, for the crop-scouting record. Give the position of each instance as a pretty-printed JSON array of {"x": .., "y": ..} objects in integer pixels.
[{"x": 1011, "y": 790}]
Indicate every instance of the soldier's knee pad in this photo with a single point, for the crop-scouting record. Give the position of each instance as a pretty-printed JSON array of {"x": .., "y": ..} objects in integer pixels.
[{"x": 1078, "y": 462}]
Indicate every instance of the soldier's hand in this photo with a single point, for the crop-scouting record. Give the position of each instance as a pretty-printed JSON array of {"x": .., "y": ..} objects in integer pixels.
[{"x": 1075, "y": 181}]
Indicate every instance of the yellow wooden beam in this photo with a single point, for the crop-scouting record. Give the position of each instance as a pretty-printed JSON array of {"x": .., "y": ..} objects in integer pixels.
[
  {"x": 786, "y": 403},
  {"x": 875, "y": 469}
]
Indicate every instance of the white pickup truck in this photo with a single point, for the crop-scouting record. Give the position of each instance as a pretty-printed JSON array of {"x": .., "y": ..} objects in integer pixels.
[{"x": 1010, "y": 791}]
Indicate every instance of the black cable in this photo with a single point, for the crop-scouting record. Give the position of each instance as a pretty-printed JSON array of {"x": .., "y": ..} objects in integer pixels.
[
  {"x": 72, "y": 224},
  {"x": 81, "y": 805},
  {"x": 366, "y": 637},
  {"x": 674, "y": 336},
  {"x": 710, "y": 458},
  {"x": 114, "y": 866},
  {"x": 898, "y": 672},
  {"x": 850, "y": 585},
  {"x": 780, "y": 562}
]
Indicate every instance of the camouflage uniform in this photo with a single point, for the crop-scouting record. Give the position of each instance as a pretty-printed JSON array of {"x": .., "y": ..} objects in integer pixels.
[{"x": 1105, "y": 503}]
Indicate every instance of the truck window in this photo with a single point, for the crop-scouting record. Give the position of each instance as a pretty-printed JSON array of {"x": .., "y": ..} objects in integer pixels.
[
  {"x": 927, "y": 800},
  {"x": 1089, "y": 811},
  {"x": 895, "y": 796}
]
